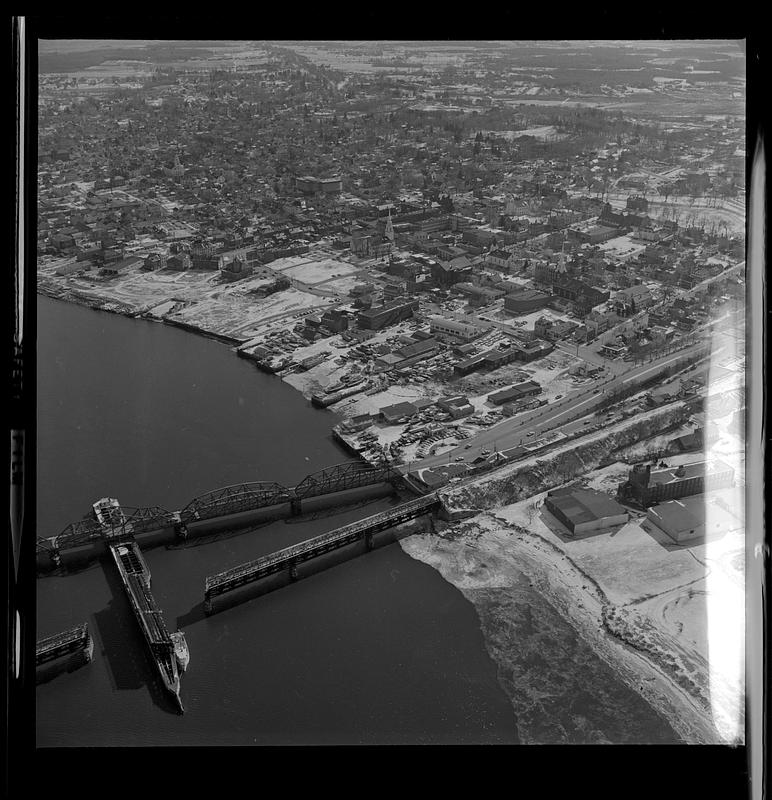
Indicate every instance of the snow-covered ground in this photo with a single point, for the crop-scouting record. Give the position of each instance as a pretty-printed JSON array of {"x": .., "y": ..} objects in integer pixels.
[
  {"x": 316, "y": 271},
  {"x": 514, "y": 541}
]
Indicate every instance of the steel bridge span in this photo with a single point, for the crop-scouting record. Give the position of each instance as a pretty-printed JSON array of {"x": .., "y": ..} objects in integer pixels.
[
  {"x": 215, "y": 504},
  {"x": 290, "y": 557}
]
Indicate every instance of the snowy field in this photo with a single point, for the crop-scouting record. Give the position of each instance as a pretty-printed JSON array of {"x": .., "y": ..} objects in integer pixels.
[{"x": 314, "y": 272}]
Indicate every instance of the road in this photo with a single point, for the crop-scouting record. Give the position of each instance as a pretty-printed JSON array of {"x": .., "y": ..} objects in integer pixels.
[{"x": 562, "y": 414}]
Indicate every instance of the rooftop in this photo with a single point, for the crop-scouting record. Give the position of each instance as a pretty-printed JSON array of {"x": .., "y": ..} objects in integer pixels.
[
  {"x": 584, "y": 505},
  {"x": 696, "y": 469},
  {"x": 676, "y": 516}
]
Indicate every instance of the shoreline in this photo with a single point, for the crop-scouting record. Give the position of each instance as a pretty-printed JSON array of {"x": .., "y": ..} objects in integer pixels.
[
  {"x": 104, "y": 306},
  {"x": 505, "y": 555}
]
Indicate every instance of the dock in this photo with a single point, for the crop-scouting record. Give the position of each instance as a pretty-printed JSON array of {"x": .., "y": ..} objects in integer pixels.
[
  {"x": 290, "y": 557},
  {"x": 74, "y": 640}
]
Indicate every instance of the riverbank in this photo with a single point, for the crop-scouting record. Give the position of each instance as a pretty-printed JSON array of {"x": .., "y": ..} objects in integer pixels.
[
  {"x": 577, "y": 591},
  {"x": 112, "y": 307}
]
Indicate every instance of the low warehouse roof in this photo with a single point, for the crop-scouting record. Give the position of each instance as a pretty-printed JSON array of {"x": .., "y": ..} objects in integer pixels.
[{"x": 584, "y": 505}]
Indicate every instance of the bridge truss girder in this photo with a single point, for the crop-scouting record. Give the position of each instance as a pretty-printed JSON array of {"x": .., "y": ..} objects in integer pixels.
[
  {"x": 81, "y": 532},
  {"x": 350, "y": 475},
  {"x": 235, "y": 499},
  {"x": 140, "y": 520}
]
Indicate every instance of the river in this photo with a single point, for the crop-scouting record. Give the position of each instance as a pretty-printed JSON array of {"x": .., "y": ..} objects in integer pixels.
[{"x": 379, "y": 649}]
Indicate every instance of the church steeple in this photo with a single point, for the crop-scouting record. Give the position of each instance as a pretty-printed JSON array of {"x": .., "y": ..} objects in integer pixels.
[
  {"x": 562, "y": 259},
  {"x": 389, "y": 232}
]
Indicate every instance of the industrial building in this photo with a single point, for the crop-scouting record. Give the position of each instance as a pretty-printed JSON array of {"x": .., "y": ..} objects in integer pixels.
[
  {"x": 389, "y": 314},
  {"x": 677, "y": 521},
  {"x": 444, "y": 328},
  {"x": 648, "y": 487},
  {"x": 584, "y": 510},
  {"x": 693, "y": 518},
  {"x": 457, "y": 407},
  {"x": 525, "y": 301},
  {"x": 517, "y": 392},
  {"x": 393, "y": 414}
]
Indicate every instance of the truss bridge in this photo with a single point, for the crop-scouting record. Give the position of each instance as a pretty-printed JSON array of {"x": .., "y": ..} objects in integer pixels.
[{"x": 125, "y": 522}]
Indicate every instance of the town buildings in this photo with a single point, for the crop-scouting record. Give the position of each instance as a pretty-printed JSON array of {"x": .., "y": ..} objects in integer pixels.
[{"x": 647, "y": 487}]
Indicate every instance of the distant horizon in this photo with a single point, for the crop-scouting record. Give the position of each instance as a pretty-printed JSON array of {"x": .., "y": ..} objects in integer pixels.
[{"x": 77, "y": 45}]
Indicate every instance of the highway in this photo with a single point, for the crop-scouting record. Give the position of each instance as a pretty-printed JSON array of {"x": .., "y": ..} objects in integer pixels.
[{"x": 562, "y": 414}]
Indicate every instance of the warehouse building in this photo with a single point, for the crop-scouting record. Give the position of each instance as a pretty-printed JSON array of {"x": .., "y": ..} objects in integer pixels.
[
  {"x": 517, "y": 392},
  {"x": 451, "y": 328},
  {"x": 584, "y": 510},
  {"x": 525, "y": 301},
  {"x": 393, "y": 414},
  {"x": 457, "y": 407},
  {"x": 389, "y": 314},
  {"x": 694, "y": 518},
  {"x": 677, "y": 520},
  {"x": 469, "y": 365}
]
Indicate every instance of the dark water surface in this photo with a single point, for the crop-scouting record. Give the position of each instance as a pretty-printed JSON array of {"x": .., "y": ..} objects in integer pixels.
[{"x": 379, "y": 649}]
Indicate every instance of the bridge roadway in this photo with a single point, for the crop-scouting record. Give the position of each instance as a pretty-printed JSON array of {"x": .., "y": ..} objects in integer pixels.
[
  {"x": 219, "y": 503},
  {"x": 289, "y": 557},
  {"x": 60, "y": 644}
]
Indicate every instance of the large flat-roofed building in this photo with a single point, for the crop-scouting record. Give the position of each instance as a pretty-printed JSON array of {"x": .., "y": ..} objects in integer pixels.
[
  {"x": 389, "y": 314},
  {"x": 470, "y": 365},
  {"x": 309, "y": 184},
  {"x": 647, "y": 486},
  {"x": 521, "y": 390},
  {"x": 695, "y": 517},
  {"x": 392, "y": 414},
  {"x": 584, "y": 510},
  {"x": 525, "y": 301},
  {"x": 678, "y": 521},
  {"x": 451, "y": 328},
  {"x": 457, "y": 407}
]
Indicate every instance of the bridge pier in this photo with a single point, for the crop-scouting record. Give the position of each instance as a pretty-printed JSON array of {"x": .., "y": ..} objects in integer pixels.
[
  {"x": 56, "y": 557},
  {"x": 88, "y": 653},
  {"x": 369, "y": 541},
  {"x": 208, "y": 606},
  {"x": 296, "y": 506},
  {"x": 181, "y": 531},
  {"x": 293, "y": 572}
]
